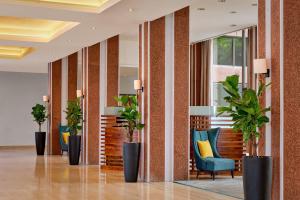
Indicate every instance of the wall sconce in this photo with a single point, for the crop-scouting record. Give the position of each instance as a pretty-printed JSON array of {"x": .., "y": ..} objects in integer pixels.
[
  {"x": 138, "y": 85},
  {"x": 45, "y": 98},
  {"x": 260, "y": 67},
  {"x": 79, "y": 94}
]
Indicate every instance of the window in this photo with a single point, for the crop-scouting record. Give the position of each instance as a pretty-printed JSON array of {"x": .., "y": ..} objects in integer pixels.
[
  {"x": 228, "y": 50},
  {"x": 228, "y": 58}
]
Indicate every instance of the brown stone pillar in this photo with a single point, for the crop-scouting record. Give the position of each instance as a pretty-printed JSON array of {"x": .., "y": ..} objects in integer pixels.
[
  {"x": 164, "y": 70},
  {"x": 181, "y": 93},
  {"x": 291, "y": 98},
  {"x": 72, "y": 75},
  {"x": 55, "y": 106},
  {"x": 112, "y": 70},
  {"x": 91, "y": 104}
]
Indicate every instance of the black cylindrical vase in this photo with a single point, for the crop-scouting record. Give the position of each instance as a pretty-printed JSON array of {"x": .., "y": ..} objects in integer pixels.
[
  {"x": 74, "y": 149},
  {"x": 257, "y": 177},
  {"x": 40, "y": 140},
  {"x": 131, "y": 158}
]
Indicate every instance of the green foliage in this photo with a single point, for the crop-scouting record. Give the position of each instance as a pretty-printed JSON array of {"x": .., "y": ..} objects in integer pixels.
[
  {"x": 74, "y": 116},
  {"x": 39, "y": 114},
  {"x": 131, "y": 114},
  {"x": 245, "y": 109}
]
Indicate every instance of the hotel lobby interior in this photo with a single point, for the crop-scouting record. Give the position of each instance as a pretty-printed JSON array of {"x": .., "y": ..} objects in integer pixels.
[{"x": 149, "y": 99}]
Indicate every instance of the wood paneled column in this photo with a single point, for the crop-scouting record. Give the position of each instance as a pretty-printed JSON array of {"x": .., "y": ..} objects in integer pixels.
[
  {"x": 55, "y": 79},
  {"x": 112, "y": 70},
  {"x": 291, "y": 97},
  {"x": 72, "y": 75},
  {"x": 92, "y": 103},
  {"x": 181, "y": 93},
  {"x": 285, "y": 98},
  {"x": 164, "y": 70},
  {"x": 157, "y": 100},
  {"x": 275, "y": 98}
]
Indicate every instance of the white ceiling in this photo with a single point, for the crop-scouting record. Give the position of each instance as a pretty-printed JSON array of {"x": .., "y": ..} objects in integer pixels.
[{"x": 215, "y": 20}]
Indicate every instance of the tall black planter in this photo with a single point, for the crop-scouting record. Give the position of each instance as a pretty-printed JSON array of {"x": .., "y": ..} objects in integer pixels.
[
  {"x": 40, "y": 140},
  {"x": 257, "y": 177},
  {"x": 74, "y": 149},
  {"x": 131, "y": 158}
]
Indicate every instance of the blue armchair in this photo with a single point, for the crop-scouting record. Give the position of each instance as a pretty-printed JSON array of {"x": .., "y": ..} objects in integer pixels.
[
  {"x": 63, "y": 145},
  {"x": 210, "y": 164}
]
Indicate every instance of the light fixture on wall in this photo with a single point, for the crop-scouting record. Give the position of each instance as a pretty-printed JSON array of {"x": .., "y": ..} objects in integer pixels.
[
  {"x": 138, "y": 85},
  {"x": 79, "y": 94},
  {"x": 260, "y": 66},
  {"x": 45, "y": 98}
]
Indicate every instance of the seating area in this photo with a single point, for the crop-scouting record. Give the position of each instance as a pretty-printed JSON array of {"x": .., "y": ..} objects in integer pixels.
[{"x": 214, "y": 163}]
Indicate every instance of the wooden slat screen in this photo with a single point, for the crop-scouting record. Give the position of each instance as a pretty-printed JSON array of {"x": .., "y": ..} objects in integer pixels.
[
  {"x": 112, "y": 136},
  {"x": 230, "y": 144}
]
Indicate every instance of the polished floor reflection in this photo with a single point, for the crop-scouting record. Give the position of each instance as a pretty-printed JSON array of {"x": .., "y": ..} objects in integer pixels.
[{"x": 27, "y": 177}]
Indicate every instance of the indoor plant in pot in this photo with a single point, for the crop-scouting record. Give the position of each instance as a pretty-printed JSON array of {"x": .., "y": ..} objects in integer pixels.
[
  {"x": 74, "y": 118},
  {"x": 40, "y": 116},
  {"x": 248, "y": 116},
  {"x": 131, "y": 148}
]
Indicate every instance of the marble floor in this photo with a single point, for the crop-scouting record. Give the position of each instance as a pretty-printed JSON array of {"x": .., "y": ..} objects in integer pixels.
[{"x": 24, "y": 176}]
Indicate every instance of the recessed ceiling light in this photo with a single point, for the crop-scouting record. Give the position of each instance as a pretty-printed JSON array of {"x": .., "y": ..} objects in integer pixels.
[
  {"x": 233, "y": 25},
  {"x": 130, "y": 10},
  {"x": 254, "y": 4},
  {"x": 14, "y": 52},
  {"x": 93, "y": 6},
  {"x": 32, "y": 30},
  {"x": 233, "y": 12},
  {"x": 93, "y": 28},
  {"x": 200, "y": 9}
]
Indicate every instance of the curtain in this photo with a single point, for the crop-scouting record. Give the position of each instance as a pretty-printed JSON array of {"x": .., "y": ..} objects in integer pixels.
[
  {"x": 200, "y": 73},
  {"x": 252, "y": 54}
]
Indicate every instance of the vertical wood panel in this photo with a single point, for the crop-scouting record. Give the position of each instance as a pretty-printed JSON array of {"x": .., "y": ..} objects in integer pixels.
[
  {"x": 252, "y": 53},
  {"x": 84, "y": 64},
  {"x": 291, "y": 61},
  {"x": 112, "y": 70},
  {"x": 181, "y": 94},
  {"x": 93, "y": 103},
  {"x": 275, "y": 97},
  {"x": 55, "y": 106},
  {"x": 262, "y": 54},
  {"x": 72, "y": 75},
  {"x": 157, "y": 99},
  {"x": 146, "y": 95}
]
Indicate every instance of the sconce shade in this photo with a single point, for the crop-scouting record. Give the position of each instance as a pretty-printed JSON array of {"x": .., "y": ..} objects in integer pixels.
[
  {"x": 79, "y": 93},
  {"x": 137, "y": 84},
  {"x": 260, "y": 66},
  {"x": 45, "y": 98}
]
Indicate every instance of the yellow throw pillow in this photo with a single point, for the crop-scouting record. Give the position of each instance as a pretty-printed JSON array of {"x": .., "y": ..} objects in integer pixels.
[
  {"x": 66, "y": 137},
  {"x": 205, "y": 149}
]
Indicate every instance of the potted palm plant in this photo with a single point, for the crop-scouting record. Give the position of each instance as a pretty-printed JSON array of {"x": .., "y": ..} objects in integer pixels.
[
  {"x": 39, "y": 116},
  {"x": 131, "y": 148},
  {"x": 74, "y": 118},
  {"x": 248, "y": 116}
]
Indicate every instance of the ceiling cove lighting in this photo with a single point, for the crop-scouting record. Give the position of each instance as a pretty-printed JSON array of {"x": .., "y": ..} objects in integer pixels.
[
  {"x": 32, "y": 30},
  {"x": 93, "y": 6},
  {"x": 13, "y": 52}
]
